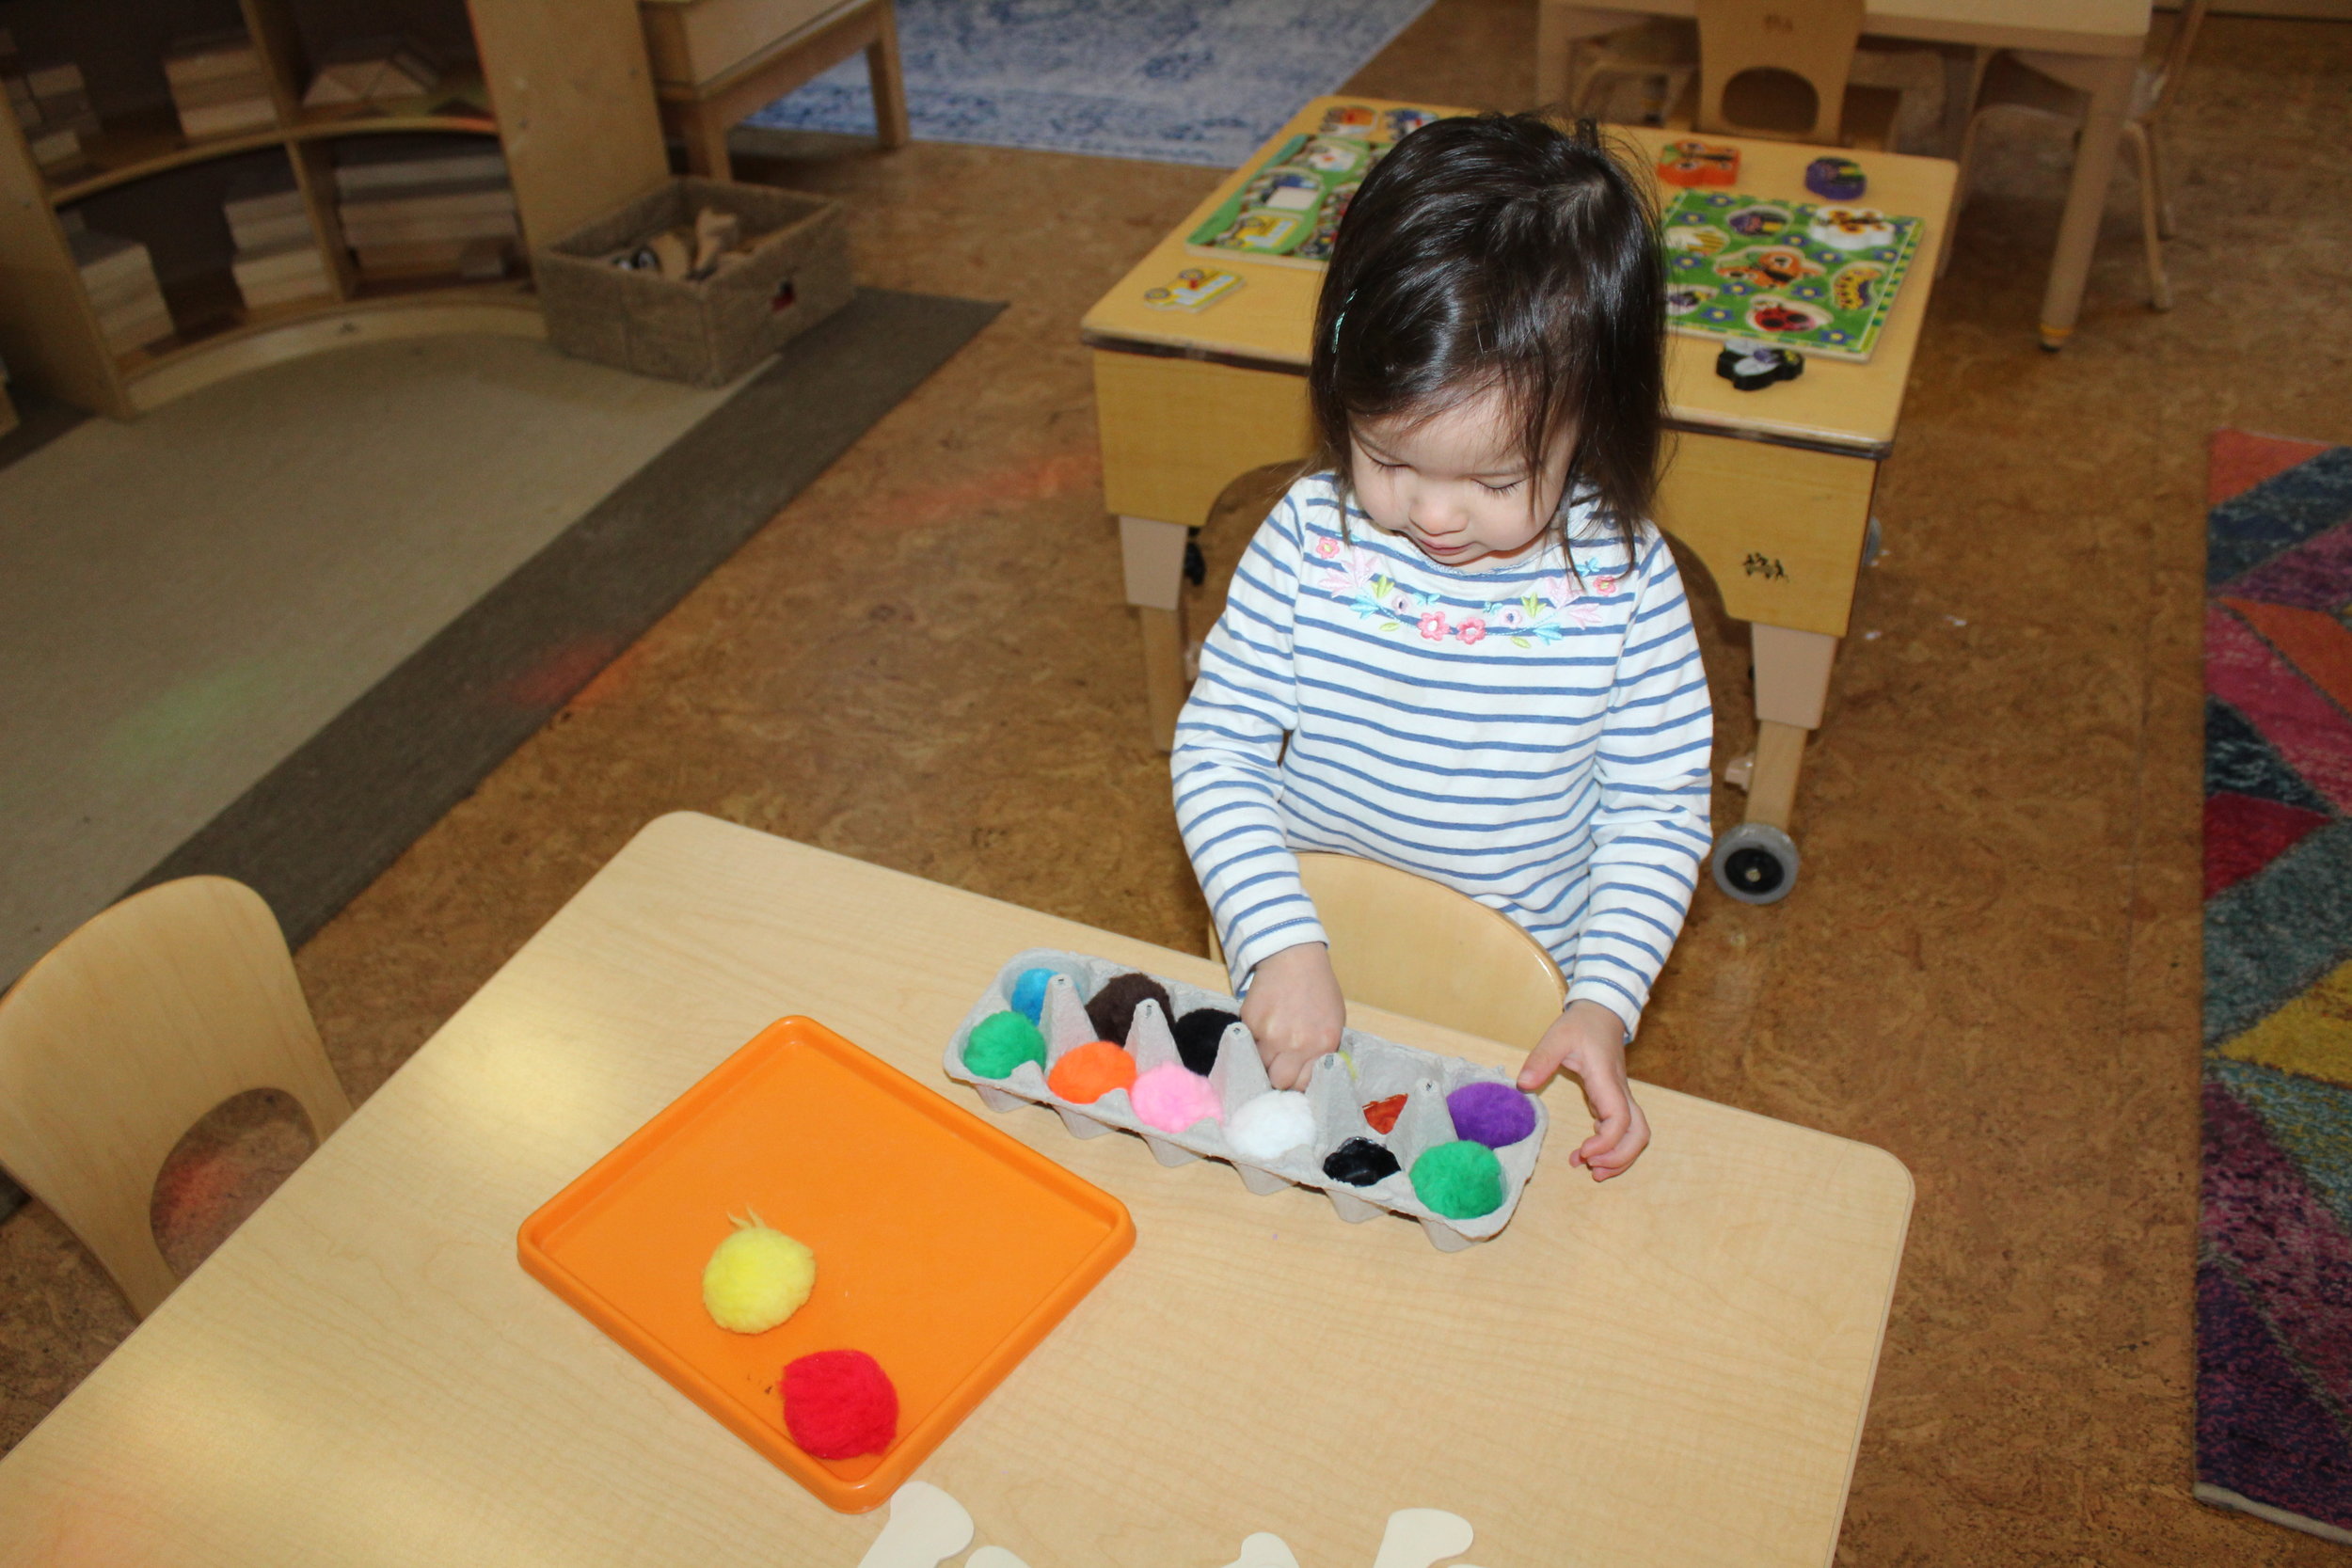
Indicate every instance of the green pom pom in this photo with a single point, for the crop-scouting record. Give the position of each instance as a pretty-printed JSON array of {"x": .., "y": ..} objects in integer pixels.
[
  {"x": 1461, "y": 1181},
  {"x": 1001, "y": 1043}
]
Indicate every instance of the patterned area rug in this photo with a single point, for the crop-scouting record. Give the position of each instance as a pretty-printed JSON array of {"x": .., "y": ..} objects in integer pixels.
[
  {"x": 1175, "y": 81},
  {"x": 2274, "y": 1269}
]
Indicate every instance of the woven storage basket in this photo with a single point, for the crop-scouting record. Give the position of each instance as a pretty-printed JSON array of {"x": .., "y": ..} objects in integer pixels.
[{"x": 795, "y": 275}]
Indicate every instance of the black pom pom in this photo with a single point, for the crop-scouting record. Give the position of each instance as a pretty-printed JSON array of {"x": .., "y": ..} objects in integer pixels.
[
  {"x": 1113, "y": 1010},
  {"x": 1197, "y": 1034},
  {"x": 1359, "y": 1163}
]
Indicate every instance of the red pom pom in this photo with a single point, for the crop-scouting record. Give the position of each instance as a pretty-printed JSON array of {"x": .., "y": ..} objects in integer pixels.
[{"x": 839, "y": 1404}]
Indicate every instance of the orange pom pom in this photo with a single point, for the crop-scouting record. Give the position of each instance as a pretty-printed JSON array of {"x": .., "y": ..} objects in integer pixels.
[{"x": 1087, "y": 1072}]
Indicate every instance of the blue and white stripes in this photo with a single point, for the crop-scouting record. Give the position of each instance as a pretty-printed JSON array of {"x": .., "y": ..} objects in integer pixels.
[{"x": 1535, "y": 738}]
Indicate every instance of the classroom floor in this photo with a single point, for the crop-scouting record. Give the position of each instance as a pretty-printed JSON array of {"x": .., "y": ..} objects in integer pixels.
[{"x": 1991, "y": 966}]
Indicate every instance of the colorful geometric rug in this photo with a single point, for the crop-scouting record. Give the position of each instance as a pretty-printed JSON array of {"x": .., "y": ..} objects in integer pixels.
[
  {"x": 1173, "y": 81},
  {"x": 2274, "y": 1263}
]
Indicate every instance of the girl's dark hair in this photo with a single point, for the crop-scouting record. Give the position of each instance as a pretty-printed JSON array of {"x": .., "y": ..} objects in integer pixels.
[{"x": 1503, "y": 251}]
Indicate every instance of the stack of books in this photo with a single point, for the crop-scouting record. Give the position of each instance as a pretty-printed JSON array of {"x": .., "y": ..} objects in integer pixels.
[
  {"x": 53, "y": 107},
  {"x": 218, "y": 85},
  {"x": 277, "y": 260},
  {"x": 424, "y": 210},
  {"x": 120, "y": 282},
  {"x": 371, "y": 70}
]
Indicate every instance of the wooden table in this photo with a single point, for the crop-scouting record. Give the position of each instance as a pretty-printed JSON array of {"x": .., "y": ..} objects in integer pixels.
[
  {"x": 1769, "y": 489},
  {"x": 1670, "y": 1369},
  {"x": 2108, "y": 34},
  {"x": 717, "y": 61}
]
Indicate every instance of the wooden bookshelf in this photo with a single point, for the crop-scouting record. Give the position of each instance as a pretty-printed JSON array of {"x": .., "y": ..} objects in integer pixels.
[{"x": 571, "y": 73}]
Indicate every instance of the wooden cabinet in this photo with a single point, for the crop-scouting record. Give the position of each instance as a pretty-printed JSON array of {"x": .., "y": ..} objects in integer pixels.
[{"x": 561, "y": 86}]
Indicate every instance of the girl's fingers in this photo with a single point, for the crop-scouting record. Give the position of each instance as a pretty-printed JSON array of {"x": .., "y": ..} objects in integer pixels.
[{"x": 1542, "y": 1063}]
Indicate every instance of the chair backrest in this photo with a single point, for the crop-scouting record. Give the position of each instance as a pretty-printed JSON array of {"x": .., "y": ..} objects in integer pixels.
[
  {"x": 1776, "y": 68},
  {"x": 1414, "y": 946},
  {"x": 131, "y": 1029}
]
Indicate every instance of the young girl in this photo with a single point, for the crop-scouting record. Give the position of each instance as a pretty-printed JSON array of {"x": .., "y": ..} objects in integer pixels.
[{"x": 1460, "y": 646}]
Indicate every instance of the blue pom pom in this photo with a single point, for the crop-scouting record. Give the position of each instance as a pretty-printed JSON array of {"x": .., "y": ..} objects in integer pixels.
[{"x": 1028, "y": 993}]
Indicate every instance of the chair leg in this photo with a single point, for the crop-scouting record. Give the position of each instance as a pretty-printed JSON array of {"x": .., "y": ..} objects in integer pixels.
[
  {"x": 1959, "y": 193},
  {"x": 2159, "y": 177},
  {"x": 2151, "y": 226}
]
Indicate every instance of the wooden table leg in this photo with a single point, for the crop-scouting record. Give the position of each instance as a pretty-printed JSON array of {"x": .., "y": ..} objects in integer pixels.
[
  {"x": 2110, "y": 83},
  {"x": 889, "y": 81},
  {"x": 1791, "y": 688},
  {"x": 1153, "y": 555}
]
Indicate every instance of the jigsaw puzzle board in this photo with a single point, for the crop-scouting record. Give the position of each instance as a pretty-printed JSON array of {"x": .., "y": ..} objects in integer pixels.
[
  {"x": 1815, "y": 276},
  {"x": 1288, "y": 211}
]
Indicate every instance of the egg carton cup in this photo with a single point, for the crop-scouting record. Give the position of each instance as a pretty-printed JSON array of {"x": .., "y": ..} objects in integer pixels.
[{"x": 1373, "y": 1069}]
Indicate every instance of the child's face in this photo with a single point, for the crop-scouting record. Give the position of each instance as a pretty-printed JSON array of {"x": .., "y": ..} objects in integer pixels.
[{"x": 1455, "y": 482}]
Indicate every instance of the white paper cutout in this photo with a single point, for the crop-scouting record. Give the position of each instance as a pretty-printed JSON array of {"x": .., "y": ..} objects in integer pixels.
[
  {"x": 926, "y": 1527},
  {"x": 1264, "y": 1551},
  {"x": 1422, "y": 1538}
]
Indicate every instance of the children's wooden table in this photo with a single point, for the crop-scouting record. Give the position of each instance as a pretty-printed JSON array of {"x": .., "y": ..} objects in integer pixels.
[
  {"x": 1668, "y": 1368},
  {"x": 1770, "y": 490}
]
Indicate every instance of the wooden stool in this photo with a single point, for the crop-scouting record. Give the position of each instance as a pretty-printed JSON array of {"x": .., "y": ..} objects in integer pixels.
[{"x": 700, "y": 102}]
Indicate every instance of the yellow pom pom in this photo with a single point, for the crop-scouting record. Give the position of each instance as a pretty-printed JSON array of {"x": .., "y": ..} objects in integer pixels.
[{"x": 756, "y": 1279}]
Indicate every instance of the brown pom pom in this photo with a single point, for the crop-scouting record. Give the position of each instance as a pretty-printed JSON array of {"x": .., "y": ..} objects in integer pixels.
[{"x": 1113, "y": 1010}]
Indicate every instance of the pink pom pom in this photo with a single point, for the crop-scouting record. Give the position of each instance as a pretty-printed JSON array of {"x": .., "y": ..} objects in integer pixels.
[{"x": 1171, "y": 1097}]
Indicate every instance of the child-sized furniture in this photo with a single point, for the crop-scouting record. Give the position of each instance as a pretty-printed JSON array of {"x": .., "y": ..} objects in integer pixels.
[
  {"x": 715, "y": 61},
  {"x": 127, "y": 1033},
  {"x": 2103, "y": 38},
  {"x": 1406, "y": 945},
  {"x": 1771, "y": 69},
  {"x": 562, "y": 92},
  {"x": 1770, "y": 490},
  {"x": 366, "y": 1375},
  {"x": 2057, "y": 87}
]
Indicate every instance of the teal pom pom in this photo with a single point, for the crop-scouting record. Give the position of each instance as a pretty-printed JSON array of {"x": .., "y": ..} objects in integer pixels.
[
  {"x": 1028, "y": 993},
  {"x": 1000, "y": 1042},
  {"x": 1460, "y": 1180}
]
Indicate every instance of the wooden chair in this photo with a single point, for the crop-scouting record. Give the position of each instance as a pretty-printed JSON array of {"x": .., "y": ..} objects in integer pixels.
[
  {"x": 127, "y": 1033},
  {"x": 1779, "y": 68},
  {"x": 1414, "y": 946},
  {"x": 2052, "y": 86}
]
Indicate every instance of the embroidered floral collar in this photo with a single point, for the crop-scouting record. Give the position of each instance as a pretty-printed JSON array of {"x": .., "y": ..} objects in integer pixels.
[{"x": 1361, "y": 580}]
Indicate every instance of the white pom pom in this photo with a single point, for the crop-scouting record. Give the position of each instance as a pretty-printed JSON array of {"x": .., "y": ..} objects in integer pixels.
[{"x": 1271, "y": 1126}]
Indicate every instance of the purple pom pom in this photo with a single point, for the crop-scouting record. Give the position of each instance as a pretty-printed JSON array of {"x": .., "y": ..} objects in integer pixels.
[{"x": 1495, "y": 1114}]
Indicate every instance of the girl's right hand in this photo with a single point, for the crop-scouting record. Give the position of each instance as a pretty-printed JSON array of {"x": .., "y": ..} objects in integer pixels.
[{"x": 1295, "y": 1012}]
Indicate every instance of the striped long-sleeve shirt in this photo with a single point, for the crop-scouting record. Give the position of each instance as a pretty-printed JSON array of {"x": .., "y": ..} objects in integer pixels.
[{"x": 1535, "y": 738}]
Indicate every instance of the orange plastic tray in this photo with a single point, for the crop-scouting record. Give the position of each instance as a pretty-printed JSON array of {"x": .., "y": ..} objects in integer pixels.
[{"x": 944, "y": 1249}]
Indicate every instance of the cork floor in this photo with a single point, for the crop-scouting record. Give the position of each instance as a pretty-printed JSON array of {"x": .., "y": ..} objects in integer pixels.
[{"x": 1990, "y": 966}]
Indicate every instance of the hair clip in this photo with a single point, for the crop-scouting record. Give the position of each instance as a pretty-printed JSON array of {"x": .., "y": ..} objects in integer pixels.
[
  {"x": 1587, "y": 133},
  {"x": 1342, "y": 317}
]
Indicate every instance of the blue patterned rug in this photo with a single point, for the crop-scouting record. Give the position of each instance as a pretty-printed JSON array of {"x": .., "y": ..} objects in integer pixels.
[{"x": 1174, "y": 81}]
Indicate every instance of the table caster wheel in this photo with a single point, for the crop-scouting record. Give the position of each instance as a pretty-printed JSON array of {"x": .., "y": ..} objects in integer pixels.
[{"x": 1756, "y": 863}]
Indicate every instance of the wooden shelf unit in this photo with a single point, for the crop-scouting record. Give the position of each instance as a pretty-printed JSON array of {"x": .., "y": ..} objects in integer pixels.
[{"x": 569, "y": 77}]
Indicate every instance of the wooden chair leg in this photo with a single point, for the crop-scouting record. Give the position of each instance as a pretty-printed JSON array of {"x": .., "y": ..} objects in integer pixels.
[
  {"x": 2159, "y": 177},
  {"x": 883, "y": 70},
  {"x": 1960, "y": 192},
  {"x": 2150, "y": 221}
]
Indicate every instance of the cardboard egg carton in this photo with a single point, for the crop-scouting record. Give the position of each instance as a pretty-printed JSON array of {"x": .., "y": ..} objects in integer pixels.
[{"x": 1374, "y": 1069}]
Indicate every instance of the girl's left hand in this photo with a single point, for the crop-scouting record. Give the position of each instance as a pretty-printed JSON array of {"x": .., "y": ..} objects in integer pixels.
[{"x": 1589, "y": 1040}]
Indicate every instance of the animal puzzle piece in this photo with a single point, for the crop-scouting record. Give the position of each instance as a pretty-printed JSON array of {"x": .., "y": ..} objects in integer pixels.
[
  {"x": 1836, "y": 179},
  {"x": 1752, "y": 367},
  {"x": 1691, "y": 164},
  {"x": 1767, "y": 267},
  {"x": 926, "y": 1527},
  {"x": 1852, "y": 227},
  {"x": 1769, "y": 314},
  {"x": 1193, "y": 289}
]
